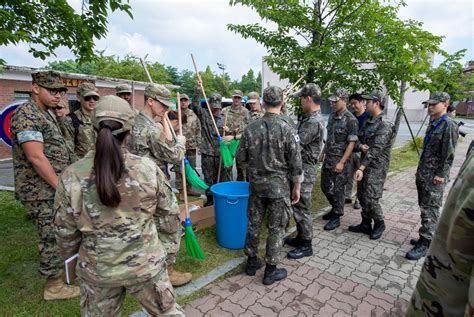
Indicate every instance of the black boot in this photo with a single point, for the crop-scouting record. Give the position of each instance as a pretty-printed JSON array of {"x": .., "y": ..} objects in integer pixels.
[
  {"x": 328, "y": 216},
  {"x": 305, "y": 249},
  {"x": 253, "y": 264},
  {"x": 209, "y": 198},
  {"x": 272, "y": 274},
  {"x": 333, "y": 223},
  {"x": 293, "y": 241},
  {"x": 379, "y": 228},
  {"x": 419, "y": 250},
  {"x": 364, "y": 227},
  {"x": 414, "y": 241}
]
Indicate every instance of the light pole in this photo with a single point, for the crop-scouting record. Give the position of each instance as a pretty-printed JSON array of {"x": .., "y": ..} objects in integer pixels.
[{"x": 222, "y": 67}]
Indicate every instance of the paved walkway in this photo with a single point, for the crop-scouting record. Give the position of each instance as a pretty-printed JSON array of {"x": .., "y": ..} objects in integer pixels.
[{"x": 348, "y": 275}]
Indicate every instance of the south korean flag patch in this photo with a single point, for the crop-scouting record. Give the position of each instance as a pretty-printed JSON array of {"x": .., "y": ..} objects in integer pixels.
[{"x": 297, "y": 138}]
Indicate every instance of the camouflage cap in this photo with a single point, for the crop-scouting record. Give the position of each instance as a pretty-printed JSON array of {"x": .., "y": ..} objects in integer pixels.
[
  {"x": 87, "y": 89},
  {"x": 437, "y": 97},
  {"x": 237, "y": 93},
  {"x": 159, "y": 93},
  {"x": 48, "y": 79},
  {"x": 253, "y": 97},
  {"x": 123, "y": 89},
  {"x": 374, "y": 95},
  {"x": 215, "y": 101},
  {"x": 113, "y": 108},
  {"x": 61, "y": 104},
  {"x": 183, "y": 96},
  {"x": 340, "y": 93},
  {"x": 310, "y": 89},
  {"x": 273, "y": 96}
]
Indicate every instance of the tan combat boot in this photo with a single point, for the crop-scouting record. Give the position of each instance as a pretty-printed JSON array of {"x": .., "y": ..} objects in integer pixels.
[
  {"x": 178, "y": 278},
  {"x": 55, "y": 288}
]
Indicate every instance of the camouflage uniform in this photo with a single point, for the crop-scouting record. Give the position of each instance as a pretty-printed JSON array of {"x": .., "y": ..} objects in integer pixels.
[
  {"x": 31, "y": 123},
  {"x": 271, "y": 168},
  {"x": 192, "y": 132},
  {"x": 255, "y": 115},
  {"x": 83, "y": 137},
  {"x": 210, "y": 153},
  {"x": 445, "y": 285},
  {"x": 436, "y": 160},
  {"x": 236, "y": 119},
  {"x": 145, "y": 141},
  {"x": 118, "y": 249},
  {"x": 341, "y": 130},
  {"x": 377, "y": 134}
]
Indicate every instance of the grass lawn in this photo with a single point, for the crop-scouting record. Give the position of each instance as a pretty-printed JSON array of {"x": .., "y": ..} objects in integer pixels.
[{"x": 403, "y": 157}]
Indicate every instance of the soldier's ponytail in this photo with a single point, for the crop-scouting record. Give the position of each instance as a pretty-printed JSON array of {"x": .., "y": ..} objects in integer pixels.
[{"x": 109, "y": 162}]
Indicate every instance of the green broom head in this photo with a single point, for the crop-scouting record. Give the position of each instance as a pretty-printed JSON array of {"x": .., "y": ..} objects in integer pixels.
[
  {"x": 225, "y": 153},
  {"x": 234, "y": 144},
  {"x": 192, "y": 247},
  {"x": 192, "y": 177}
]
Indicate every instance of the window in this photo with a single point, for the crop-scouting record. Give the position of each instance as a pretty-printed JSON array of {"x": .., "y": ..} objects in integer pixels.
[{"x": 22, "y": 96}]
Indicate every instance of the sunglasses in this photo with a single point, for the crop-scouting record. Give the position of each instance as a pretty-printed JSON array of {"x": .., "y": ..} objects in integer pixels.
[
  {"x": 54, "y": 91},
  {"x": 88, "y": 98}
]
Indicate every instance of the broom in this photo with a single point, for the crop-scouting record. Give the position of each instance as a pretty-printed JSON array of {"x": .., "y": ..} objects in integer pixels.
[
  {"x": 224, "y": 149},
  {"x": 192, "y": 246}
]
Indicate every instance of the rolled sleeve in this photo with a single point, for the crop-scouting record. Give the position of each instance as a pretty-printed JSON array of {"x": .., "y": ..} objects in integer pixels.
[{"x": 26, "y": 136}]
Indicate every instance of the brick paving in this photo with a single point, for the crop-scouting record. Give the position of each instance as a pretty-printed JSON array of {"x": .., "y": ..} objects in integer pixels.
[{"x": 348, "y": 275}]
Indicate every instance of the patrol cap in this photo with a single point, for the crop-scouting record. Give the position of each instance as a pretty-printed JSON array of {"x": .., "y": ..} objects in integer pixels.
[
  {"x": 48, "y": 79},
  {"x": 310, "y": 89},
  {"x": 237, "y": 93},
  {"x": 159, "y": 93},
  {"x": 123, "y": 89},
  {"x": 273, "y": 96},
  {"x": 374, "y": 95},
  {"x": 113, "y": 108},
  {"x": 437, "y": 97},
  {"x": 183, "y": 96},
  {"x": 215, "y": 101},
  {"x": 340, "y": 93},
  {"x": 87, "y": 89},
  {"x": 253, "y": 97}
]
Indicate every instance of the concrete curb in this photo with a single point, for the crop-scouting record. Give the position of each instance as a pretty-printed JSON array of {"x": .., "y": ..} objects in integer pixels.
[{"x": 8, "y": 188}]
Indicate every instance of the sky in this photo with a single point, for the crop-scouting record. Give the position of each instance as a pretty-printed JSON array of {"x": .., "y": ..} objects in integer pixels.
[{"x": 168, "y": 31}]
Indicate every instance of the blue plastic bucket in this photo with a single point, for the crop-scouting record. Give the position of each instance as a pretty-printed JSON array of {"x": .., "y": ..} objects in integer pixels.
[{"x": 230, "y": 205}]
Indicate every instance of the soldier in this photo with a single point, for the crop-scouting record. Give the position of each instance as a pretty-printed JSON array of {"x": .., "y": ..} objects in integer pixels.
[
  {"x": 432, "y": 174},
  {"x": 39, "y": 156},
  {"x": 146, "y": 140},
  {"x": 61, "y": 111},
  {"x": 77, "y": 126},
  {"x": 341, "y": 137},
  {"x": 124, "y": 91},
  {"x": 256, "y": 111},
  {"x": 106, "y": 206},
  {"x": 210, "y": 153},
  {"x": 445, "y": 285},
  {"x": 237, "y": 118},
  {"x": 271, "y": 169},
  {"x": 192, "y": 132},
  {"x": 359, "y": 108},
  {"x": 311, "y": 134},
  {"x": 375, "y": 140}
]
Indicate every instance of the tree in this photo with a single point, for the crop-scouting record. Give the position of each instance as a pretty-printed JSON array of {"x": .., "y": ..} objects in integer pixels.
[
  {"x": 47, "y": 25},
  {"x": 356, "y": 44}
]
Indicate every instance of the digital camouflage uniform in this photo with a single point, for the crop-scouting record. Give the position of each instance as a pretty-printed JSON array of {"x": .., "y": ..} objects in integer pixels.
[
  {"x": 119, "y": 248},
  {"x": 341, "y": 130},
  {"x": 311, "y": 133},
  {"x": 192, "y": 132},
  {"x": 145, "y": 141},
  {"x": 446, "y": 282},
  {"x": 377, "y": 134},
  {"x": 436, "y": 160},
  {"x": 271, "y": 168},
  {"x": 84, "y": 136},
  {"x": 30, "y": 123},
  {"x": 210, "y": 153},
  {"x": 236, "y": 119}
]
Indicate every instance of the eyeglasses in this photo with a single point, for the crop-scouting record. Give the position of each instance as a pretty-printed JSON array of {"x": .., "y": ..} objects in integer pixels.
[
  {"x": 55, "y": 91},
  {"x": 88, "y": 98}
]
